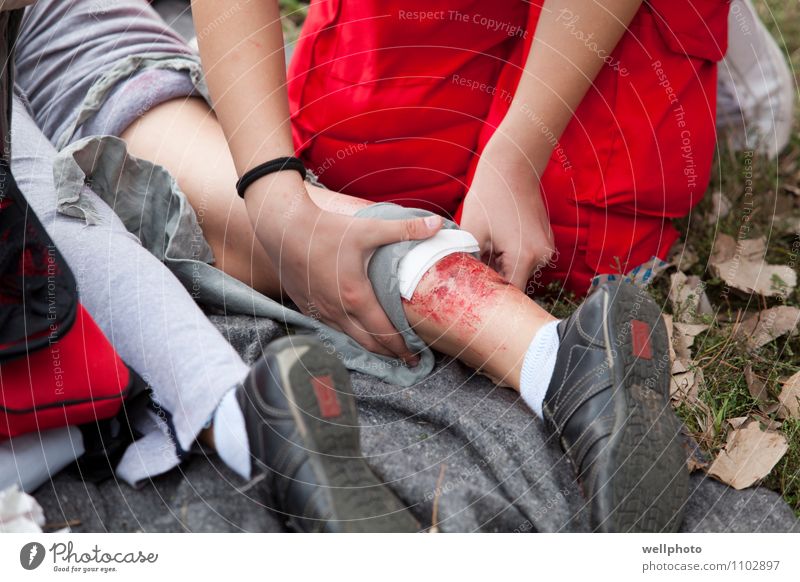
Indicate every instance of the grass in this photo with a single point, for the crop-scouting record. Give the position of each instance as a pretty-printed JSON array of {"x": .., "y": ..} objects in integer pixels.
[{"x": 721, "y": 357}]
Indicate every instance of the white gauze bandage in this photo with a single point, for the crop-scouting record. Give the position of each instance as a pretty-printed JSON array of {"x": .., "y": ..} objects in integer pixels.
[{"x": 427, "y": 253}]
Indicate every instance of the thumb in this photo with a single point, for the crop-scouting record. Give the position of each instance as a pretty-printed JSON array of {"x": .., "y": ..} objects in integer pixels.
[{"x": 392, "y": 231}]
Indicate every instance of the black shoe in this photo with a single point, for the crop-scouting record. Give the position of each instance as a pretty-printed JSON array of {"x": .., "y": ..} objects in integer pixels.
[
  {"x": 608, "y": 402},
  {"x": 303, "y": 430}
]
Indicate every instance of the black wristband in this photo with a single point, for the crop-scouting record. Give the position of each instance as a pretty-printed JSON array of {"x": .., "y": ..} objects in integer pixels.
[{"x": 276, "y": 165}]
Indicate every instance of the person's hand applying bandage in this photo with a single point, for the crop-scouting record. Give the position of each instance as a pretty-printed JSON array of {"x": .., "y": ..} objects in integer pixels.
[
  {"x": 504, "y": 208},
  {"x": 505, "y": 212},
  {"x": 322, "y": 259}
]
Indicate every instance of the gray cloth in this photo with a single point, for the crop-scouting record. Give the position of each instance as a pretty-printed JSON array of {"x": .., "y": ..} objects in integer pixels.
[
  {"x": 500, "y": 472},
  {"x": 66, "y": 50},
  {"x": 32, "y": 459},
  {"x": 382, "y": 272},
  {"x": 144, "y": 311}
]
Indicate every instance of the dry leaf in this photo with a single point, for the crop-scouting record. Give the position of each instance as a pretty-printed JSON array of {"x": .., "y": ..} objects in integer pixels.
[
  {"x": 695, "y": 458},
  {"x": 741, "y": 265},
  {"x": 682, "y": 386},
  {"x": 682, "y": 256},
  {"x": 688, "y": 298},
  {"x": 755, "y": 385},
  {"x": 678, "y": 365},
  {"x": 737, "y": 421},
  {"x": 685, "y": 382},
  {"x": 720, "y": 207},
  {"x": 706, "y": 423},
  {"x": 694, "y": 464},
  {"x": 767, "y": 325},
  {"x": 724, "y": 249},
  {"x": 683, "y": 335},
  {"x": 789, "y": 398},
  {"x": 766, "y": 421},
  {"x": 752, "y": 249},
  {"x": 749, "y": 455},
  {"x": 791, "y": 188},
  {"x": 685, "y": 387}
]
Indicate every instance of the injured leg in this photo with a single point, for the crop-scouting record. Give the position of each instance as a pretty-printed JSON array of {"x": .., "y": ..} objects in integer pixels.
[
  {"x": 600, "y": 380},
  {"x": 463, "y": 308}
]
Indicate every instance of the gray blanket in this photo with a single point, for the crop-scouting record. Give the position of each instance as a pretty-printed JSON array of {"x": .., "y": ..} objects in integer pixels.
[{"x": 454, "y": 439}]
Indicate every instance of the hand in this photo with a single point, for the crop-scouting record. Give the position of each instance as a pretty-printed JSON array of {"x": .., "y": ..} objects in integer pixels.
[
  {"x": 322, "y": 260},
  {"x": 505, "y": 212}
]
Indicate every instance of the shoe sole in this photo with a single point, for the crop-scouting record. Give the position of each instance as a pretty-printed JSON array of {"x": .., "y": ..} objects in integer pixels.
[
  {"x": 318, "y": 388},
  {"x": 645, "y": 485}
]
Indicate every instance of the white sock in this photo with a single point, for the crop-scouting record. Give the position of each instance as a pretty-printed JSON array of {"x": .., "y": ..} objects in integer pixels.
[
  {"x": 538, "y": 366},
  {"x": 230, "y": 435}
]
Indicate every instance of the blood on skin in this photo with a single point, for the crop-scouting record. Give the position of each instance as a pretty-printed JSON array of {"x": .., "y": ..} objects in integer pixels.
[{"x": 457, "y": 288}]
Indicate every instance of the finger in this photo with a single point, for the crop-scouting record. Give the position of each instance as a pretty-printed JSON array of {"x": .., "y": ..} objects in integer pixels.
[
  {"x": 384, "y": 232},
  {"x": 377, "y": 323}
]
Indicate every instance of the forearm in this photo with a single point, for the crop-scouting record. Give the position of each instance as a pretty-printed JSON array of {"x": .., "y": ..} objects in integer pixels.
[
  {"x": 241, "y": 46},
  {"x": 571, "y": 43}
]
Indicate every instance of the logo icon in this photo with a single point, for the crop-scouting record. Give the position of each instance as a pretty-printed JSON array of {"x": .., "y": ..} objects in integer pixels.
[{"x": 31, "y": 555}]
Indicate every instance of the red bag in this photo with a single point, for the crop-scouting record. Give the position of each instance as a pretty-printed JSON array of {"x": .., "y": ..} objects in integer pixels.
[{"x": 56, "y": 366}]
